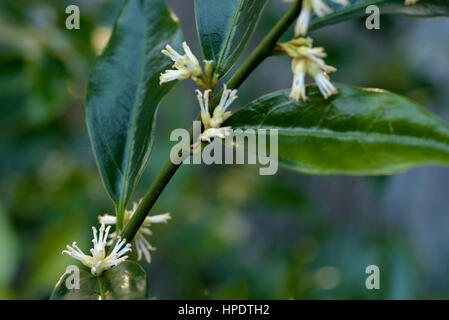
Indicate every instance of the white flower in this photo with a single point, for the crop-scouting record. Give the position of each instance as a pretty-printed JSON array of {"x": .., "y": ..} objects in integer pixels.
[
  {"x": 303, "y": 21},
  {"x": 203, "y": 100},
  {"x": 299, "y": 87},
  {"x": 318, "y": 7},
  {"x": 325, "y": 86},
  {"x": 308, "y": 61},
  {"x": 172, "y": 75},
  {"x": 186, "y": 65},
  {"x": 410, "y": 2},
  {"x": 212, "y": 124},
  {"x": 140, "y": 242},
  {"x": 315, "y": 55},
  {"x": 220, "y": 114},
  {"x": 210, "y": 133},
  {"x": 99, "y": 262}
]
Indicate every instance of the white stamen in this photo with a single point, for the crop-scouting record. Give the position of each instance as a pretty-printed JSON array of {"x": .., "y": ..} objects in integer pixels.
[
  {"x": 325, "y": 86},
  {"x": 203, "y": 100},
  {"x": 99, "y": 262},
  {"x": 227, "y": 98},
  {"x": 140, "y": 243},
  {"x": 172, "y": 53}
]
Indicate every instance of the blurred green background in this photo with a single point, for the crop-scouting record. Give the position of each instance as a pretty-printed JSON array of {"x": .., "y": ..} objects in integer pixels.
[{"x": 234, "y": 234}]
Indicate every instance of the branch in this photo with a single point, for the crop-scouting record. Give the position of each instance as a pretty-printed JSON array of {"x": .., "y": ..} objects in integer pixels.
[{"x": 263, "y": 51}]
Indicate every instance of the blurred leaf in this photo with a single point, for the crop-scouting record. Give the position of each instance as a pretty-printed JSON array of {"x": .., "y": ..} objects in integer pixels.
[
  {"x": 124, "y": 94},
  {"x": 356, "y": 9},
  {"x": 47, "y": 261},
  {"x": 127, "y": 281},
  {"x": 8, "y": 249},
  {"x": 225, "y": 27},
  {"x": 357, "y": 132}
]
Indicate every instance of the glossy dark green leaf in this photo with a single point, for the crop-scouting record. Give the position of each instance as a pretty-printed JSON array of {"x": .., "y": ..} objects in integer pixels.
[
  {"x": 225, "y": 27},
  {"x": 357, "y": 9},
  {"x": 127, "y": 281},
  {"x": 124, "y": 93},
  {"x": 357, "y": 132}
]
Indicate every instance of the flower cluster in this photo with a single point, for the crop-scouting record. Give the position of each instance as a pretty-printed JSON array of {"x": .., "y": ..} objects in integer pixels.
[
  {"x": 99, "y": 262},
  {"x": 308, "y": 60},
  {"x": 140, "y": 242},
  {"x": 212, "y": 124},
  {"x": 187, "y": 66},
  {"x": 319, "y": 7}
]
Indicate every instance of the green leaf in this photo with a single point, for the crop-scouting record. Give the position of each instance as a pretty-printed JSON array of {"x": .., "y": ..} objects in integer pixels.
[
  {"x": 357, "y": 132},
  {"x": 225, "y": 27},
  {"x": 127, "y": 281},
  {"x": 124, "y": 93},
  {"x": 356, "y": 9}
]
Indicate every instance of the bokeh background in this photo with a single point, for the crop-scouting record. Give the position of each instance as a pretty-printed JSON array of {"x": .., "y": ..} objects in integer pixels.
[{"x": 234, "y": 234}]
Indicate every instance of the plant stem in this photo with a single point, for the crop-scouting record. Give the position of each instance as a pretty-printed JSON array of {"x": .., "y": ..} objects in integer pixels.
[
  {"x": 149, "y": 200},
  {"x": 266, "y": 47},
  {"x": 263, "y": 51},
  {"x": 119, "y": 213},
  {"x": 100, "y": 287}
]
